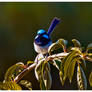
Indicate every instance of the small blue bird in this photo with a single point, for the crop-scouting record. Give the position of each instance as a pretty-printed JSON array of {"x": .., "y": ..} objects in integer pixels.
[{"x": 43, "y": 39}]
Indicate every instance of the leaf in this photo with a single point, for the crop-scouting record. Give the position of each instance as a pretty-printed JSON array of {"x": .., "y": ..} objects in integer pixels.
[
  {"x": 90, "y": 79},
  {"x": 89, "y": 54},
  {"x": 89, "y": 47},
  {"x": 38, "y": 74},
  {"x": 61, "y": 43},
  {"x": 76, "y": 49},
  {"x": 13, "y": 71},
  {"x": 42, "y": 85},
  {"x": 30, "y": 62},
  {"x": 81, "y": 78},
  {"x": 42, "y": 72},
  {"x": 9, "y": 86},
  {"x": 26, "y": 84},
  {"x": 62, "y": 78},
  {"x": 71, "y": 69},
  {"x": 67, "y": 60},
  {"x": 53, "y": 47},
  {"x": 66, "y": 63},
  {"x": 38, "y": 69},
  {"x": 76, "y": 43},
  {"x": 83, "y": 63},
  {"x": 46, "y": 75},
  {"x": 61, "y": 73},
  {"x": 57, "y": 63}
]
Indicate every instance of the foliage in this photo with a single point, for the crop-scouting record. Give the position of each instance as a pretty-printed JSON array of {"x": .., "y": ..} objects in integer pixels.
[
  {"x": 26, "y": 84},
  {"x": 90, "y": 79},
  {"x": 9, "y": 86},
  {"x": 66, "y": 61}
]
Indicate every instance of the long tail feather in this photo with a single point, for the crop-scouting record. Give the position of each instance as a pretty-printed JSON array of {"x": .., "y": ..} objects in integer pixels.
[{"x": 54, "y": 22}]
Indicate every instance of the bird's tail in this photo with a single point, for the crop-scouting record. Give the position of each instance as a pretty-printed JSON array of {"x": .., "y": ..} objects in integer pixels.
[{"x": 54, "y": 22}]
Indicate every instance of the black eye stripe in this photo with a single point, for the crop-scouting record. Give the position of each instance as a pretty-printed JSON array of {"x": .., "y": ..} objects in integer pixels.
[{"x": 42, "y": 41}]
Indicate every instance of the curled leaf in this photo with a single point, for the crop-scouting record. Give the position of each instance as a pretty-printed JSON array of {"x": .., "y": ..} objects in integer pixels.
[
  {"x": 61, "y": 43},
  {"x": 13, "y": 71},
  {"x": 76, "y": 43},
  {"x": 53, "y": 47},
  {"x": 89, "y": 47}
]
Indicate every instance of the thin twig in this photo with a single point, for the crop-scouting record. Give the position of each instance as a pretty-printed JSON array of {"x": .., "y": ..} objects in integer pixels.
[
  {"x": 88, "y": 58},
  {"x": 32, "y": 66}
]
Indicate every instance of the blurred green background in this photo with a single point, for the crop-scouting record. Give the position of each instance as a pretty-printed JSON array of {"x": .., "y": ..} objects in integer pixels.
[{"x": 20, "y": 21}]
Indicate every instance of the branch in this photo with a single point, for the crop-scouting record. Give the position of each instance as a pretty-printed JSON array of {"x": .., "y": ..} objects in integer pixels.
[
  {"x": 32, "y": 66},
  {"x": 24, "y": 72},
  {"x": 88, "y": 58}
]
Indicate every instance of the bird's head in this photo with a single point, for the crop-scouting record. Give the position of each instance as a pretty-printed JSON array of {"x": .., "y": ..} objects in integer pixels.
[{"x": 42, "y": 38}]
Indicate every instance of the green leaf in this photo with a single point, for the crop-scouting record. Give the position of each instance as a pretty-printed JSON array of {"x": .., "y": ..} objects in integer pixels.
[
  {"x": 76, "y": 43},
  {"x": 26, "y": 84},
  {"x": 46, "y": 75},
  {"x": 42, "y": 85},
  {"x": 62, "y": 78},
  {"x": 89, "y": 54},
  {"x": 61, "y": 43},
  {"x": 61, "y": 73},
  {"x": 89, "y": 47},
  {"x": 9, "y": 86},
  {"x": 71, "y": 69},
  {"x": 66, "y": 63},
  {"x": 57, "y": 63},
  {"x": 30, "y": 62},
  {"x": 90, "y": 79},
  {"x": 42, "y": 72},
  {"x": 53, "y": 47},
  {"x": 83, "y": 63},
  {"x": 38, "y": 69},
  {"x": 13, "y": 71},
  {"x": 76, "y": 49},
  {"x": 67, "y": 60},
  {"x": 81, "y": 78}
]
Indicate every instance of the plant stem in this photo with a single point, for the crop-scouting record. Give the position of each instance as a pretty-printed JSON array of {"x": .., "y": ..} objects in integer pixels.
[
  {"x": 24, "y": 72},
  {"x": 88, "y": 58},
  {"x": 32, "y": 66}
]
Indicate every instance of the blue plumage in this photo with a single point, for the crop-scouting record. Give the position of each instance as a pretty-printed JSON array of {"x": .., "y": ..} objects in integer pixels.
[
  {"x": 53, "y": 25},
  {"x": 43, "y": 40},
  {"x": 41, "y": 31}
]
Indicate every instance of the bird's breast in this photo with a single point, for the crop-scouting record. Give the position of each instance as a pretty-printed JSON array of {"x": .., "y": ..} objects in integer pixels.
[{"x": 42, "y": 49}]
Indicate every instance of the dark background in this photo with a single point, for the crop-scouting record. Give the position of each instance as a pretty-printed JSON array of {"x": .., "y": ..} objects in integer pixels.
[{"x": 19, "y": 23}]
